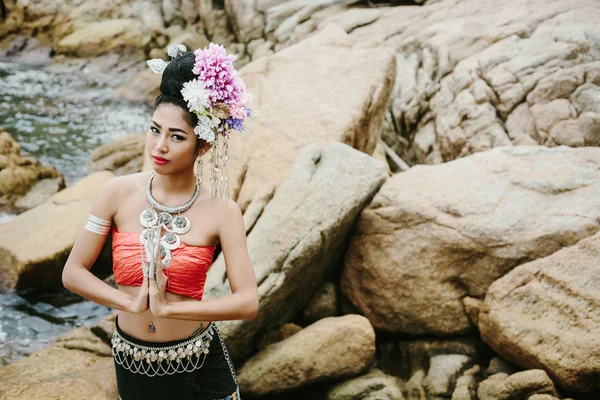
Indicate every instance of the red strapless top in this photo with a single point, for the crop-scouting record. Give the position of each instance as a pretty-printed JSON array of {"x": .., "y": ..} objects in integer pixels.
[{"x": 186, "y": 273}]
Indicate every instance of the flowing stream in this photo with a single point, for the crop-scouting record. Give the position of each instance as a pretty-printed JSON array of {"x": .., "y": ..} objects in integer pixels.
[{"x": 59, "y": 118}]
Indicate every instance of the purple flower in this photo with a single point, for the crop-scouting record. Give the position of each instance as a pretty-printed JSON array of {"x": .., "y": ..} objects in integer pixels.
[
  {"x": 235, "y": 123},
  {"x": 215, "y": 68}
]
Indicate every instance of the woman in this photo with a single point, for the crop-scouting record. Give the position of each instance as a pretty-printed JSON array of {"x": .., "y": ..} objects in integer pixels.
[{"x": 166, "y": 224}]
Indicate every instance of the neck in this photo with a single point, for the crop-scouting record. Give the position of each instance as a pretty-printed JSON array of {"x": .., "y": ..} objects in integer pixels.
[{"x": 174, "y": 189}]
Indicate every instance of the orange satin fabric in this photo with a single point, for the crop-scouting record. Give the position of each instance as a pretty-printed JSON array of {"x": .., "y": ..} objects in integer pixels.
[{"x": 186, "y": 273}]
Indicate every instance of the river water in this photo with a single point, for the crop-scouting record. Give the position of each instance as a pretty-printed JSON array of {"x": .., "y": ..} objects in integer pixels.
[{"x": 59, "y": 118}]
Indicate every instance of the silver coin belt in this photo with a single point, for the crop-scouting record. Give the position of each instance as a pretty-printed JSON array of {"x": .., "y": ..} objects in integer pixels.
[{"x": 186, "y": 356}]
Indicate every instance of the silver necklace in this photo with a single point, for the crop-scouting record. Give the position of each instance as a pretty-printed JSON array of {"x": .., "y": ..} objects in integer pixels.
[{"x": 153, "y": 223}]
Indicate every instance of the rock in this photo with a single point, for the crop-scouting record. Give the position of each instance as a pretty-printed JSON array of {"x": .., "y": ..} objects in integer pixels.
[
  {"x": 24, "y": 181},
  {"x": 374, "y": 385},
  {"x": 589, "y": 123},
  {"x": 543, "y": 397},
  {"x": 28, "y": 51},
  {"x": 144, "y": 87},
  {"x": 39, "y": 192},
  {"x": 331, "y": 348},
  {"x": 77, "y": 366},
  {"x": 517, "y": 386},
  {"x": 443, "y": 372},
  {"x": 33, "y": 253},
  {"x": 123, "y": 156},
  {"x": 192, "y": 40},
  {"x": 435, "y": 234},
  {"x": 464, "y": 88},
  {"x": 322, "y": 304},
  {"x": 498, "y": 365},
  {"x": 257, "y": 206},
  {"x": 246, "y": 20},
  {"x": 414, "y": 387},
  {"x": 278, "y": 86},
  {"x": 466, "y": 388},
  {"x": 543, "y": 315},
  {"x": 100, "y": 37},
  {"x": 277, "y": 335},
  {"x": 406, "y": 357},
  {"x": 472, "y": 308},
  {"x": 105, "y": 328},
  {"x": 299, "y": 234}
]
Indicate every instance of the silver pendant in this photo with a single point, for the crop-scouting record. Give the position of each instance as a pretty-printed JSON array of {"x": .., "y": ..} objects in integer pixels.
[
  {"x": 148, "y": 217},
  {"x": 181, "y": 225},
  {"x": 165, "y": 219},
  {"x": 166, "y": 261},
  {"x": 147, "y": 235},
  {"x": 171, "y": 241}
]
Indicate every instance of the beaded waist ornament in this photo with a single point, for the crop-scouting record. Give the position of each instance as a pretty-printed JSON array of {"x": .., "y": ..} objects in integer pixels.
[{"x": 186, "y": 356}]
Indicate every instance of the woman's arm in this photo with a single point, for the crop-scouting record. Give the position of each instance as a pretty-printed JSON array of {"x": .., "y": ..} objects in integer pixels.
[
  {"x": 243, "y": 302},
  {"x": 76, "y": 275}
]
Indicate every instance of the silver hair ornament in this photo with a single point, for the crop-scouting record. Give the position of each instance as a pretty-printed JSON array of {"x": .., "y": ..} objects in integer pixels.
[
  {"x": 175, "y": 50},
  {"x": 157, "y": 65}
]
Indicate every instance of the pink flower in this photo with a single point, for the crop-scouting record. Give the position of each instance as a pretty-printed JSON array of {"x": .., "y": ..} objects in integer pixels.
[{"x": 215, "y": 68}]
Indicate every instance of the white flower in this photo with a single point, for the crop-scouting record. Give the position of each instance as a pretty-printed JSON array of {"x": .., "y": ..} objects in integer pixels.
[
  {"x": 205, "y": 129},
  {"x": 196, "y": 95}
]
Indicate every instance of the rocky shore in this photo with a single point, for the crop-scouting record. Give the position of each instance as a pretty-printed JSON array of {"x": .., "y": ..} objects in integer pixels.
[{"x": 421, "y": 194}]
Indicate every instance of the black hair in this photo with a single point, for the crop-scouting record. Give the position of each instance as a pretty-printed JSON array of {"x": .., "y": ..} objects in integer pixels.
[{"x": 176, "y": 73}]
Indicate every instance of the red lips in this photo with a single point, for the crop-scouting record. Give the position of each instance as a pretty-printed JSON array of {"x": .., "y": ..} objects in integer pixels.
[{"x": 160, "y": 160}]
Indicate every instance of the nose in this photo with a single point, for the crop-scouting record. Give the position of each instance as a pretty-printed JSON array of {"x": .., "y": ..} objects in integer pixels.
[{"x": 161, "y": 144}]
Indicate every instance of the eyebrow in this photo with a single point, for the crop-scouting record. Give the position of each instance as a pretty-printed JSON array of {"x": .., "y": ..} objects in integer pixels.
[{"x": 171, "y": 129}]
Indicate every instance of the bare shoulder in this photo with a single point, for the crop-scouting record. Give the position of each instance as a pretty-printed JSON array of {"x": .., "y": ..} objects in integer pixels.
[{"x": 117, "y": 191}]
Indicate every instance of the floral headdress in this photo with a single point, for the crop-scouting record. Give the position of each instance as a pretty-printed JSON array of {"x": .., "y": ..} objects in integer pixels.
[{"x": 218, "y": 98}]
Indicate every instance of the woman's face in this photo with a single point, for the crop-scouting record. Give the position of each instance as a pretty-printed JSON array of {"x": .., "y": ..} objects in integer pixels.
[{"x": 171, "y": 138}]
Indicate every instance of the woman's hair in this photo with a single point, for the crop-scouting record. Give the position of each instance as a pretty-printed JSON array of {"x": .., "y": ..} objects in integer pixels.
[{"x": 176, "y": 73}]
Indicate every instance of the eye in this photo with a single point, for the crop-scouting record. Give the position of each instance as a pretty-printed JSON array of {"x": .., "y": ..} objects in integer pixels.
[
  {"x": 179, "y": 137},
  {"x": 154, "y": 130}
]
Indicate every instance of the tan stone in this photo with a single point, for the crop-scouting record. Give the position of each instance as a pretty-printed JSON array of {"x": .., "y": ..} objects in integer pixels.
[
  {"x": 324, "y": 303},
  {"x": 330, "y": 349},
  {"x": 122, "y": 156},
  {"x": 24, "y": 181},
  {"x": 544, "y": 315},
  {"x": 374, "y": 385},
  {"x": 99, "y": 37},
  {"x": 145, "y": 87},
  {"x": 277, "y": 335},
  {"x": 286, "y": 83},
  {"x": 33, "y": 253},
  {"x": 517, "y": 386},
  {"x": 435, "y": 234},
  {"x": 76, "y": 366},
  {"x": 299, "y": 235}
]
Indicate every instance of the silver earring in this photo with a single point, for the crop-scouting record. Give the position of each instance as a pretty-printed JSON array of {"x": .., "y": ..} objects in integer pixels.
[{"x": 199, "y": 171}]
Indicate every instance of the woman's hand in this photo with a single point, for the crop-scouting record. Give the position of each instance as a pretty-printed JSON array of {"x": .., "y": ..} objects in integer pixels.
[
  {"x": 139, "y": 303},
  {"x": 157, "y": 282}
]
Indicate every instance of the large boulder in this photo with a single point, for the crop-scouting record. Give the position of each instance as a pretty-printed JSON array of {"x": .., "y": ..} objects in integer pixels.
[
  {"x": 77, "y": 365},
  {"x": 24, "y": 181},
  {"x": 546, "y": 314},
  {"x": 299, "y": 236},
  {"x": 517, "y": 386},
  {"x": 329, "y": 349},
  {"x": 100, "y": 37},
  {"x": 122, "y": 156},
  {"x": 320, "y": 90},
  {"x": 36, "y": 243},
  {"x": 435, "y": 234}
]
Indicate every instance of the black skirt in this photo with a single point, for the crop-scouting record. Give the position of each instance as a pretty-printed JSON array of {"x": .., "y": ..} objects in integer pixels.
[{"x": 195, "y": 368}]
